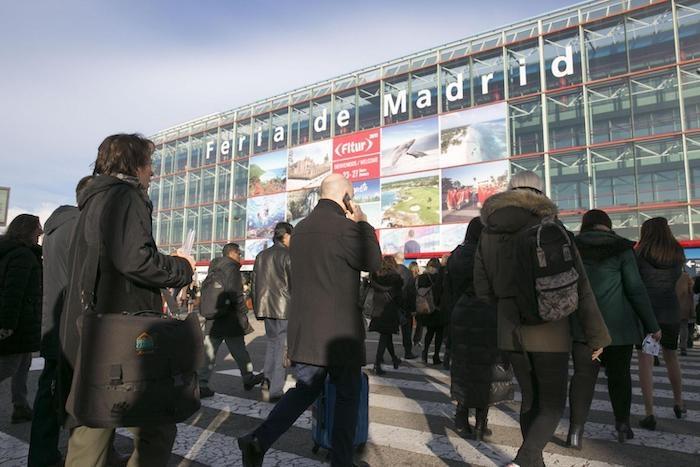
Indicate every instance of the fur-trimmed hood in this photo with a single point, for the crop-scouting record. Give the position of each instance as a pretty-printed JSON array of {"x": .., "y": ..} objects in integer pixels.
[
  {"x": 510, "y": 210},
  {"x": 595, "y": 245}
]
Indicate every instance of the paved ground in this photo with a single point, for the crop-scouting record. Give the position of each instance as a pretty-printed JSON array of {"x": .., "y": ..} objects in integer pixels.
[{"x": 410, "y": 424}]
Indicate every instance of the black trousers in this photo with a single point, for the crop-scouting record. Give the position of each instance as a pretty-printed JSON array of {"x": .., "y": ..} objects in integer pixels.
[
  {"x": 406, "y": 330},
  {"x": 385, "y": 343},
  {"x": 437, "y": 332},
  {"x": 542, "y": 377},
  {"x": 46, "y": 426},
  {"x": 616, "y": 359}
]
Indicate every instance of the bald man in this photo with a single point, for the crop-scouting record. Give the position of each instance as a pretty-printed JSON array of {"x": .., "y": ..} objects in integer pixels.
[{"x": 326, "y": 332}]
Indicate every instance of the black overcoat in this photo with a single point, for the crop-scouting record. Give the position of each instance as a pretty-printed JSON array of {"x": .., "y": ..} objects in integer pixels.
[
  {"x": 387, "y": 307},
  {"x": 328, "y": 251}
]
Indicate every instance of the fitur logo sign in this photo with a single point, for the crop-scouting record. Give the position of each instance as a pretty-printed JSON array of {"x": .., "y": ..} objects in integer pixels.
[{"x": 561, "y": 66}]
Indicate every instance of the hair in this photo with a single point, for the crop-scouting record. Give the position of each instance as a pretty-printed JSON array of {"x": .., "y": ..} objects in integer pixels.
[
  {"x": 82, "y": 183},
  {"x": 474, "y": 229},
  {"x": 433, "y": 263},
  {"x": 22, "y": 228},
  {"x": 414, "y": 268},
  {"x": 123, "y": 154},
  {"x": 526, "y": 179},
  {"x": 595, "y": 219},
  {"x": 282, "y": 228},
  {"x": 387, "y": 266},
  {"x": 657, "y": 243},
  {"x": 229, "y": 247}
]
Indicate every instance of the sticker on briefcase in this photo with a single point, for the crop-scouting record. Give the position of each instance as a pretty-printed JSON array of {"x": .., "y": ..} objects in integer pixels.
[{"x": 144, "y": 344}]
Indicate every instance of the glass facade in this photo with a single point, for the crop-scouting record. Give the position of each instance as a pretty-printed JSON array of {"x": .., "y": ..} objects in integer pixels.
[{"x": 602, "y": 100}]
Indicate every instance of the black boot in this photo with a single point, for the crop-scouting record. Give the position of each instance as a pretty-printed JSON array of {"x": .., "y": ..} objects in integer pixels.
[
  {"x": 624, "y": 431},
  {"x": 396, "y": 361},
  {"x": 575, "y": 438},
  {"x": 250, "y": 380},
  {"x": 462, "y": 426},
  {"x": 424, "y": 356},
  {"x": 378, "y": 369},
  {"x": 481, "y": 430}
]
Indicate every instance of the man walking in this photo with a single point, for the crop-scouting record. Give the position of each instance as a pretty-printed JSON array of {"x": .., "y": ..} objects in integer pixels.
[
  {"x": 326, "y": 331},
  {"x": 230, "y": 324},
  {"x": 408, "y": 292},
  {"x": 271, "y": 300}
]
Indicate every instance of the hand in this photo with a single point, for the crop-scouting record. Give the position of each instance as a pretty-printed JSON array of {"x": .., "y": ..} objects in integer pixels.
[
  {"x": 657, "y": 335},
  {"x": 189, "y": 258},
  {"x": 357, "y": 214},
  {"x": 596, "y": 354},
  {"x": 5, "y": 333}
]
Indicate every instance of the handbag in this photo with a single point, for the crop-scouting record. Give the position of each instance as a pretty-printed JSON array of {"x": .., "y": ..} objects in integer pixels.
[{"x": 133, "y": 369}]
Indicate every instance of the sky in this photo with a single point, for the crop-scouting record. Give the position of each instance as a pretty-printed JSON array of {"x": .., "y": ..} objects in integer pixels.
[{"x": 74, "y": 72}]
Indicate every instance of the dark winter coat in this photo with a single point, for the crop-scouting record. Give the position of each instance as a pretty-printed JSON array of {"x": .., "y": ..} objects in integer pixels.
[
  {"x": 620, "y": 293},
  {"x": 58, "y": 232},
  {"x": 328, "y": 251},
  {"x": 272, "y": 291},
  {"x": 20, "y": 296},
  {"x": 235, "y": 322},
  {"x": 439, "y": 317},
  {"x": 496, "y": 271},
  {"x": 684, "y": 291},
  {"x": 408, "y": 290},
  {"x": 387, "y": 303},
  {"x": 116, "y": 212},
  {"x": 480, "y": 375},
  {"x": 660, "y": 280}
]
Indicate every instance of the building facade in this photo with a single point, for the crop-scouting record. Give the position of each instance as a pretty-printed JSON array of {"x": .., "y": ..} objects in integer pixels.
[{"x": 602, "y": 99}]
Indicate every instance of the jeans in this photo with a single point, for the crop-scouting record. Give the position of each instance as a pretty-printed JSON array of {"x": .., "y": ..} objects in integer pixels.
[
  {"x": 310, "y": 382},
  {"x": 542, "y": 377},
  {"x": 406, "y": 330},
  {"x": 276, "y": 333},
  {"x": 46, "y": 425},
  {"x": 385, "y": 343},
  {"x": 16, "y": 366},
  {"x": 236, "y": 345}
]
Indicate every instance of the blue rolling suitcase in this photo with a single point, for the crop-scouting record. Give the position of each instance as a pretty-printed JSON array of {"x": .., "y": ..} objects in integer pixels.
[{"x": 322, "y": 417}]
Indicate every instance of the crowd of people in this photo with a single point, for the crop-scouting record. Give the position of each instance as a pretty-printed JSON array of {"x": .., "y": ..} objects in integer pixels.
[{"x": 514, "y": 302}]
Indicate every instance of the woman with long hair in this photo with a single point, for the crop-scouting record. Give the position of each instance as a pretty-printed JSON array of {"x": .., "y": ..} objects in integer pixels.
[
  {"x": 622, "y": 298},
  {"x": 436, "y": 321},
  {"x": 20, "y": 307},
  {"x": 386, "y": 285},
  {"x": 660, "y": 258}
]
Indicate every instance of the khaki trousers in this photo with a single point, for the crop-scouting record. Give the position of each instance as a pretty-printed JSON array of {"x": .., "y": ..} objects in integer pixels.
[{"x": 152, "y": 446}]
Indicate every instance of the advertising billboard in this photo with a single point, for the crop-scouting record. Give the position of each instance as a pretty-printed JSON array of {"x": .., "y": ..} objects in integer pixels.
[{"x": 4, "y": 204}]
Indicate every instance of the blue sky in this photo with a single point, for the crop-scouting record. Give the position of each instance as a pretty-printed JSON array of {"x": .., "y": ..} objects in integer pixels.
[{"x": 74, "y": 72}]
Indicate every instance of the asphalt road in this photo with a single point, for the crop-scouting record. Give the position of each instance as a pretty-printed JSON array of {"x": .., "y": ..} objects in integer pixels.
[{"x": 410, "y": 423}]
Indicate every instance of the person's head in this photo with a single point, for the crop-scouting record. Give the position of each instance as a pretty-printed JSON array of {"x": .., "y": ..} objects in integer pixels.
[
  {"x": 526, "y": 180},
  {"x": 127, "y": 154},
  {"x": 334, "y": 187},
  {"x": 414, "y": 268},
  {"x": 25, "y": 228},
  {"x": 434, "y": 264},
  {"x": 388, "y": 265},
  {"x": 657, "y": 243},
  {"x": 283, "y": 232},
  {"x": 232, "y": 251},
  {"x": 411, "y": 233},
  {"x": 399, "y": 257},
  {"x": 473, "y": 230},
  {"x": 596, "y": 219},
  {"x": 82, "y": 183}
]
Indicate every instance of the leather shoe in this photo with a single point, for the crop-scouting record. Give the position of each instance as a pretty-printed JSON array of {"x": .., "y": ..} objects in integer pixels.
[
  {"x": 648, "y": 423},
  {"x": 409, "y": 356},
  {"x": 575, "y": 438},
  {"x": 252, "y": 381},
  {"x": 251, "y": 451},
  {"x": 205, "y": 392}
]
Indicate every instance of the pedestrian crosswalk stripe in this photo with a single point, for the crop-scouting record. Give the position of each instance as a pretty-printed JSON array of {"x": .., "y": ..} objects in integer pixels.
[{"x": 14, "y": 451}]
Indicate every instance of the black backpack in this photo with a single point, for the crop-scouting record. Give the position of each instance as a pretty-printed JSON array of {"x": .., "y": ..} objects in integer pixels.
[
  {"x": 547, "y": 279},
  {"x": 214, "y": 301}
]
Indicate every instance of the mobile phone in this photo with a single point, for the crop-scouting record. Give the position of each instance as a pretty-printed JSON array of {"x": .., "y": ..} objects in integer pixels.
[{"x": 346, "y": 202}]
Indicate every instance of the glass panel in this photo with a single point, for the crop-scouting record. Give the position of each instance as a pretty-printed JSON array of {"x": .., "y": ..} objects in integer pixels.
[
  {"x": 243, "y": 136},
  {"x": 369, "y": 108},
  {"x": 693, "y": 144},
  {"x": 344, "y": 108},
  {"x": 526, "y": 127},
  {"x": 650, "y": 38},
  {"x": 222, "y": 217},
  {"x": 194, "y": 188},
  {"x": 238, "y": 220},
  {"x": 240, "y": 179},
  {"x": 695, "y": 216},
  {"x": 261, "y": 133},
  {"x": 156, "y": 162},
  {"x": 206, "y": 223},
  {"x": 605, "y": 49},
  {"x": 178, "y": 223},
  {"x": 456, "y": 81},
  {"x": 424, "y": 92},
  {"x": 395, "y": 104},
  {"x": 688, "y": 12},
  {"x": 226, "y": 144},
  {"x": 196, "y": 151},
  {"x": 691, "y": 95},
  {"x": 535, "y": 164},
  {"x": 166, "y": 200},
  {"x": 165, "y": 228},
  {"x": 524, "y": 69},
  {"x": 614, "y": 180},
  {"x": 179, "y": 191},
  {"x": 181, "y": 155},
  {"x": 571, "y": 223},
  {"x": 153, "y": 194},
  {"x": 192, "y": 223},
  {"x": 660, "y": 171},
  {"x": 611, "y": 118},
  {"x": 208, "y": 179},
  {"x": 566, "y": 120},
  {"x": 280, "y": 128},
  {"x": 300, "y": 124},
  {"x": 224, "y": 182},
  {"x": 487, "y": 80},
  {"x": 168, "y": 159},
  {"x": 211, "y": 147},
  {"x": 655, "y": 105},
  {"x": 562, "y": 59},
  {"x": 625, "y": 224},
  {"x": 321, "y": 118},
  {"x": 569, "y": 180},
  {"x": 677, "y": 220}
]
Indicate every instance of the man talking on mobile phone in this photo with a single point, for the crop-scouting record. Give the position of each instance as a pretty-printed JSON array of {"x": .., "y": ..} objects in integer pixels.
[{"x": 326, "y": 335}]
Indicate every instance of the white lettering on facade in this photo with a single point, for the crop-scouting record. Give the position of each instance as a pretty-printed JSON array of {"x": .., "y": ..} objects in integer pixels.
[
  {"x": 425, "y": 99},
  {"x": 278, "y": 135},
  {"x": 485, "y": 83},
  {"x": 321, "y": 122},
  {"x": 522, "y": 72},
  {"x": 258, "y": 140},
  {"x": 455, "y": 90},
  {"x": 343, "y": 118},
  {"x": 241, "y": 140},
  {"x": 225, "y": 147},
  {"x": 210, "y": 148},
  {"x": 567, "y": 59},
  {"x": 395, "y": 106}
]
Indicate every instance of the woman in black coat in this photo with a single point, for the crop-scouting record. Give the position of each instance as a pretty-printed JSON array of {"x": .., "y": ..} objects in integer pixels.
[
  {"x": 480, "y": 375},
  {"x": 436, "y": 321},
  {"x": 20, "y": 307},
  {"x": 387, "y": 286}
]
